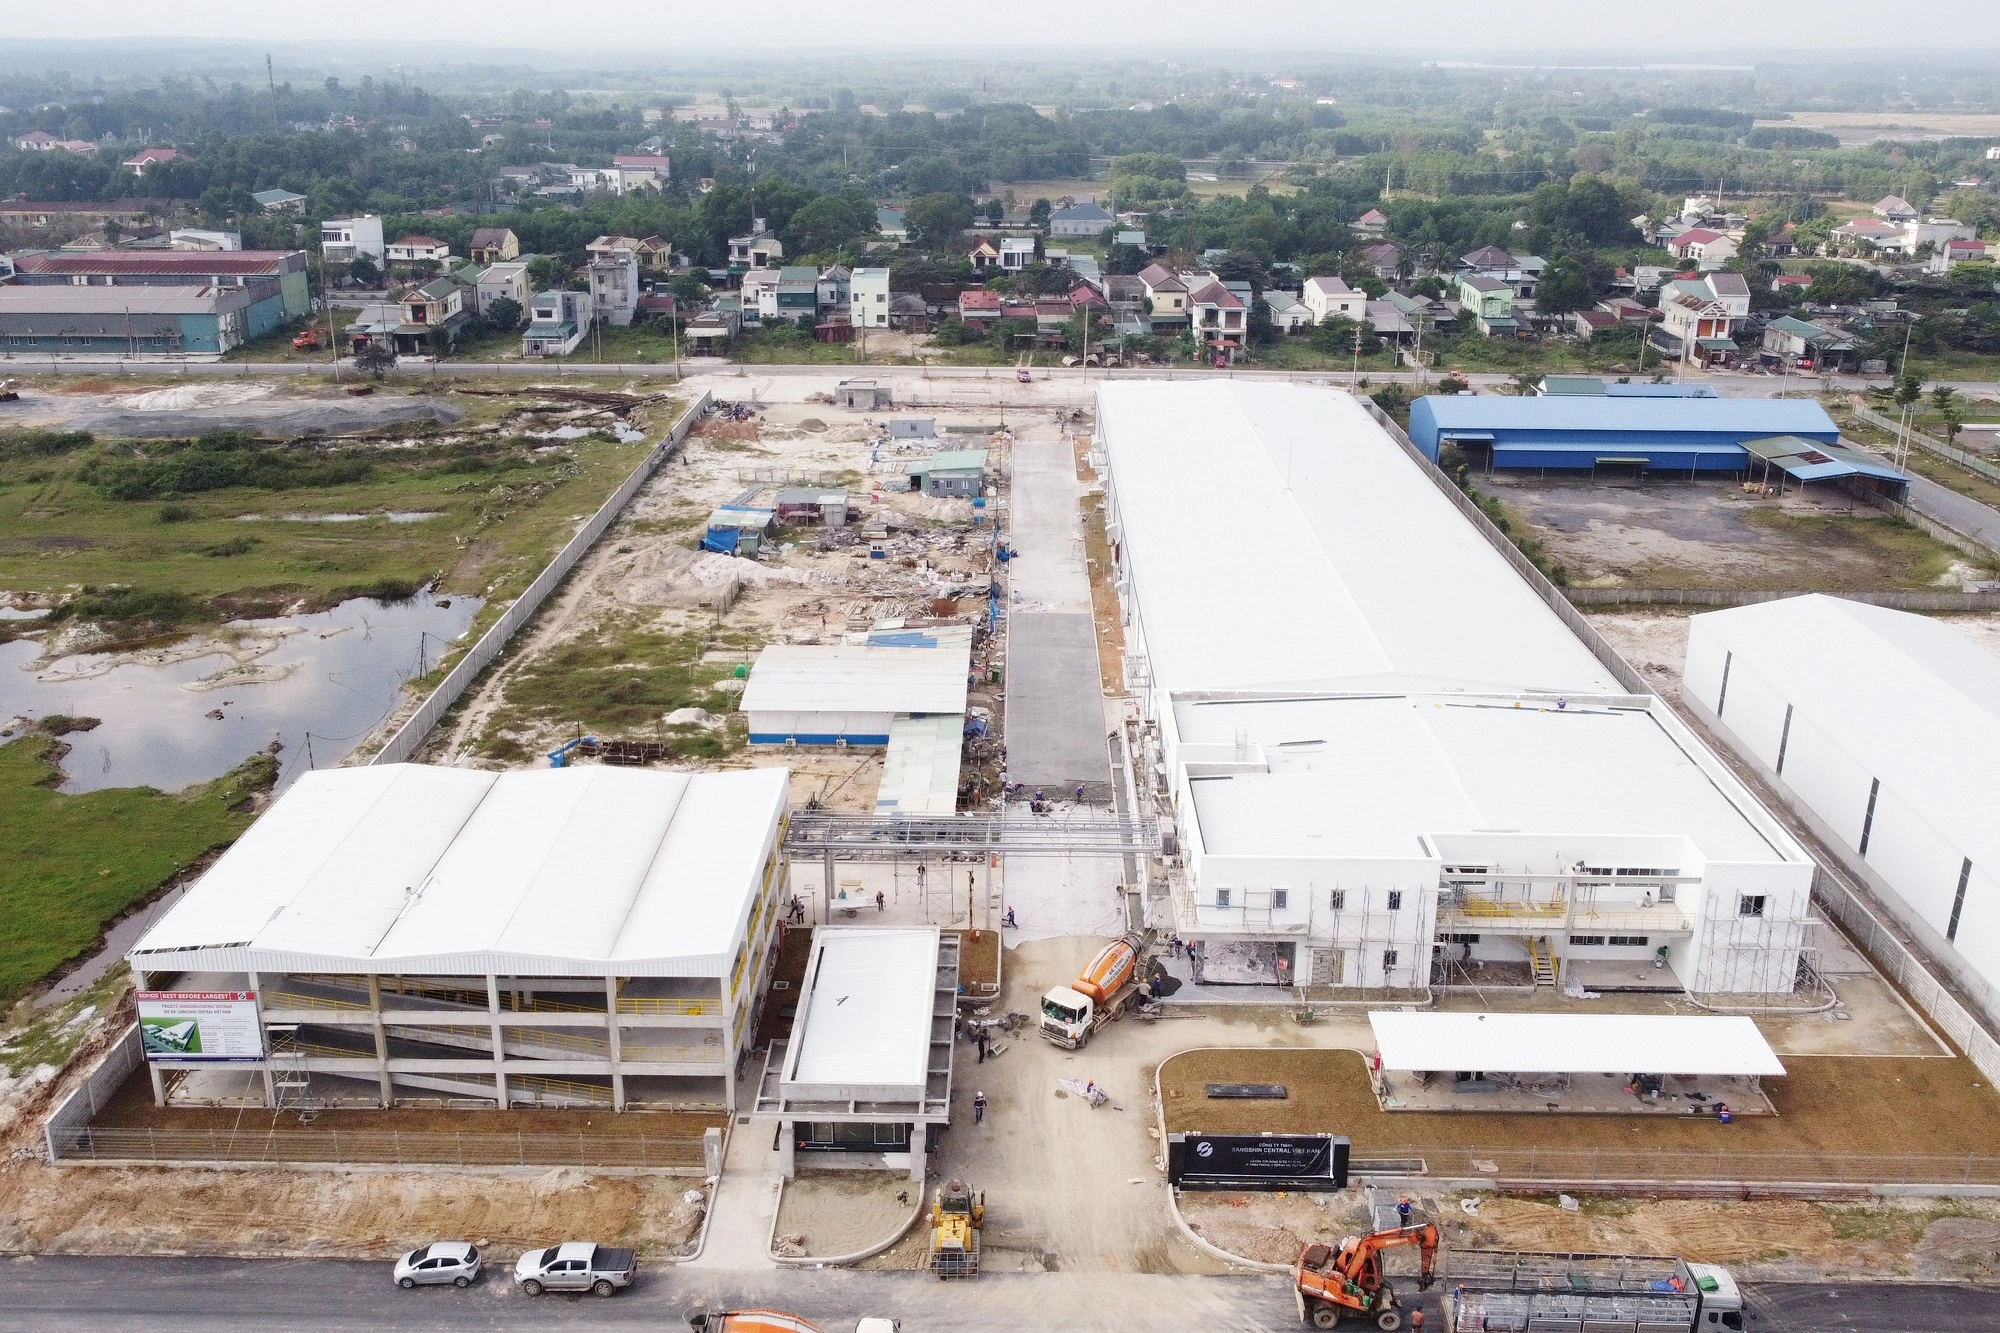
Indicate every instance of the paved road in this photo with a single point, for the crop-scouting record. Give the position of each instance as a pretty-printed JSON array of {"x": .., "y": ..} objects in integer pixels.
[
  {"x": 216, "y": 1295},
  {"x": 114, "y": 1295}
]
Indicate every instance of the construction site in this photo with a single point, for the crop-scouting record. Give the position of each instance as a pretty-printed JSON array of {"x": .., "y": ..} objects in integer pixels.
[{"x": 1085, "y": 842}]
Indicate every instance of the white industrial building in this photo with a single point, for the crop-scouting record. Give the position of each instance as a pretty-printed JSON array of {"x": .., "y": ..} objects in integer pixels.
[
  {"x": 864, "y": 1079},
  {"x": 1387, "y": 758},
  {"x": 852, "y": 693},
  {"x": 1883, "y": 729},
  {"x": 582, "y": 936}
]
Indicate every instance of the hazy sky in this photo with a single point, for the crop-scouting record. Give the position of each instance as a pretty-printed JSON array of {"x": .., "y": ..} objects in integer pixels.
[{"x": 1452, "y": 29}]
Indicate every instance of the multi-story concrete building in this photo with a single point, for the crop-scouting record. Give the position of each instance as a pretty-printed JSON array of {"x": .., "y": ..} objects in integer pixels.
[{"x": 554, "y": 937}]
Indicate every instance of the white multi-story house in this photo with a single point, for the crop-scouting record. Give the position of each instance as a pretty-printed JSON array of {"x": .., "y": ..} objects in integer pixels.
[
  {"x": 1700, "y": 316},
  {"x": 1708, "y": 248},
  {"x": 868, "y": 298},
  {"x": 344, "y": 240},
  {"x": 1330, "y": 298},
  {"x": 557, "y": 321},
  {"x": 1016, "y": 253},
  {"x": 760, "y": 295},
  {"x": 641, "y": 171},
  {"x": 614, "y": 278},
  {"x": 419, "y": 250},
  {"x": 1218, "y": 314},
  {"x": 758, "y": 249},
  {"x": 509, "y": 279}
]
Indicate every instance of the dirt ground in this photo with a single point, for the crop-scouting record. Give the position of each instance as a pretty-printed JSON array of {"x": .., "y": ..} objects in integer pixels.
[
  {"x": 1826, "y": 1104},
  {"x": 1711, "y": 535},
  {"x": 831, "y": 1213},
  {"x": 1771, "y": 1239},
  {"x": 1655, "y": 640},
  {"x": 149, "y": 409}
]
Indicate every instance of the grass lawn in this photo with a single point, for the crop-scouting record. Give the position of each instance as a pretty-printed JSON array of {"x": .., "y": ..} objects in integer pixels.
[
  {"x": 501, "y": 509},
  {"x": 277, "y": 344},
  {"x": 1825, "y": 1104},
  {"x": 75, "y": 862}
]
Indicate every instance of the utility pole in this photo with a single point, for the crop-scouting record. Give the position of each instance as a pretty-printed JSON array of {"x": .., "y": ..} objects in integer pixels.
[
  {"x": 271, "y": 77},
  {"x": 1355, "y": 375}
]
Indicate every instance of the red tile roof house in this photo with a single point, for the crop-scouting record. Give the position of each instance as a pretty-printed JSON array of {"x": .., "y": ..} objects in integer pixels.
[
  {"x": 1791, "y": 282},
  {"x": 978, "y": 305},
  {"x": 141, "y": 162}
]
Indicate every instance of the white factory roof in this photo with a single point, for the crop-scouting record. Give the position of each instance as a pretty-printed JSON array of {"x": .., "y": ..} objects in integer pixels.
[
  {"x": 1573, "y": 1043},
  {"x": 847, "y": 678},
  {"x": 1908, "y": 698},
  {"x": 1367, "y": 776},
  {"x": 1279, "y": 537},
  {"x": 920, "y": 769},
  {"x": 864, "y": 1012},
  {"x": 408, "y": 868}
]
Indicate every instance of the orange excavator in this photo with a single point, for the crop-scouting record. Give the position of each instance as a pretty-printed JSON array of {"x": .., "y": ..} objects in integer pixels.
[{"x": 1347, "y": 1283}]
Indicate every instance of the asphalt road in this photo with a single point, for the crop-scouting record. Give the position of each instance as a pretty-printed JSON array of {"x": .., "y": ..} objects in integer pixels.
[{"x": 111, "y": 1295}]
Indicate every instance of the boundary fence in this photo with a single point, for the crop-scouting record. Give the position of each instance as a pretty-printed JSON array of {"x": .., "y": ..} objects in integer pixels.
[
  {"x": 343, "y": 1147},
  {"x": 481, "y": 655},
  {"x": 98, "y": 1087},
  {"x": 1930, "y": 444},
  {"x": 1903, "y": 599},
  {"x": 1681, "y": 1166}
]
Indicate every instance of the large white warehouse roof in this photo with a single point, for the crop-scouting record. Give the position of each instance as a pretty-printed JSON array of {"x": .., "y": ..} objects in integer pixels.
[
  {"x": 858, "y": 678},
  {"x": 1910, "y": 700},
  {"x": 407, "y": 868},
  {"x": 1280, "y": 538}
]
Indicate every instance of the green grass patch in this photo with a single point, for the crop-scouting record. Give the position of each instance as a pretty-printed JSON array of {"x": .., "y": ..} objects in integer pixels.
[
  {"x": 75, "y": 862},
  {"x": 1908, "y": 556}
]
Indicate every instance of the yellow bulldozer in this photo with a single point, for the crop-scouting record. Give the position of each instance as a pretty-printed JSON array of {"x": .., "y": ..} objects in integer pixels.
[{"x": 958, "y": 1213}]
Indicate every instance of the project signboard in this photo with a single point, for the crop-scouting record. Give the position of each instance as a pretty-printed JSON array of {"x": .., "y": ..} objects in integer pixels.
[
  {"x": 200, "y": 1025},
  {"x": 1304, "y": 1162}
]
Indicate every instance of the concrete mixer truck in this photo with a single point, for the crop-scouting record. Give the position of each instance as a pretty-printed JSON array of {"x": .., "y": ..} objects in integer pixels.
[{"x": 1111, "y": 982}]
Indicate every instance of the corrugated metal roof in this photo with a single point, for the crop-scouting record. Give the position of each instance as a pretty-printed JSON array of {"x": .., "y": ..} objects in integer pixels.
[
  {"x": 407, "y": 868},
  {"x": 952, "y": 460},
  {"x": 1574, "y": 1043},
  {"x": 62, "y": 299},
  {"x": 843, "y": 678},
  {"x": 1740, "y": 416},
  {"x": 920, "y": 769},
  {"x": 865, "y": 1010},
  {"x": 140, "y": 262}
]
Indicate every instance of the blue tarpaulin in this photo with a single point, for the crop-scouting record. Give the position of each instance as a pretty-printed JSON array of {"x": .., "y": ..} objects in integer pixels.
[{"x": 721, "y": 539}]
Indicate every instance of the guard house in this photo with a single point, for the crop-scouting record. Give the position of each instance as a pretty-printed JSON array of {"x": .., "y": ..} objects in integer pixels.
[
  {"x": 811, "y": 504},
  {"x": 913, "y": 428},
  {"x": 861, "y": 395},
  {"x": 738, "y": 529},
  {"x": 864, "y": 1079},
  {"x": 957, "y": 472}
]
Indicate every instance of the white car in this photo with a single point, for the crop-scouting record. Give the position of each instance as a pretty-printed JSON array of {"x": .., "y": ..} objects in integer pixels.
[{"x": 442, "y": 1261}]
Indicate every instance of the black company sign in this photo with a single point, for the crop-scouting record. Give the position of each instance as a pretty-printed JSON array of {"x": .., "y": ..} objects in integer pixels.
[{"x": 1305, "y": 1162}]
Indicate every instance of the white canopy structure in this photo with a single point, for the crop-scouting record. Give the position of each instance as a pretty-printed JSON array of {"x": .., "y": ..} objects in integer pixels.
[{"x": 1574, "y": 1044}]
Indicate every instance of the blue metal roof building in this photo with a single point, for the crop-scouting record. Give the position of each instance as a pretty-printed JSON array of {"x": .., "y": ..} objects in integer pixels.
[{"x": 1582, "y": 432}]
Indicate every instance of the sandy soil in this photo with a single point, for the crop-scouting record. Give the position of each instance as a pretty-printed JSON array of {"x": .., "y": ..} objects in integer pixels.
[{"x": 830, "y": 1213}]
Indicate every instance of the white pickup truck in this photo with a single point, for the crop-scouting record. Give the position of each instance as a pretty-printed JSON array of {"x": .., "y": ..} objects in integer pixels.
[{"x": 575, "y": 1265}]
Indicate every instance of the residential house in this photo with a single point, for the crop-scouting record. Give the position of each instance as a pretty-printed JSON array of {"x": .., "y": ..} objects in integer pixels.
[
  {"x": 146, "y": 159},
  {"x": 1330, "y": 298},
  {"x": 1052, "y": 322},
  {"x": 203, "y": 238},
  {"x": 985, "y": 254},
  {"x": 1587, "y": 323},
  {"x": 835, "y": 283},
  {"x": 1956, "y": 251},
  {"x": 494, "y": 245},
  {"x": 1016, "y": 253},
  {"x": 908, "y": 312},
  {"x": 642, "y": 171},
  {"x": 1519, "y": 272},
  {"x": 1791, "y": 282},
  {"x": 1423, "y": 312},
  {"x": 1167, "y": 295},
  {"x": 797, "y": 299},
  {"x": 1371, "y": 224},
  {"x": 36, "y": 141},
  {"x": 759, "y": 293},
  {"x": 1699, "y": 318},
  {"x": 979, "y": 306},
  {"x": 758, "y": 249},
  {"x": 1708, "y": 249},
  {"x": 1935, "y": 232},
  {"x": 613, "y": 271},
  {"x": 1868, "y": 234},
  {"x": 1218, "y": 315},
  {"x": 1795, "y": 344},
  {"x": 419, "y": 250},
  {"x": 1894, "y": 208},
  {"x": 1627, "y": 310},
  {"x": 1125, "y": 293},
  {"x": 1384, "y": 259},
  {"x": 78, "y": 147},
  {"x": 278, "y": 201},
  {"x": 868, "y": 298},
  {"x": 1085, "y": 219},
  {"x": 655, "y": 254},
  {"x": 1132, "y": 237},
  {"x": 890, "y": 226},
  {"x": 1387, "y": 320},
  {"x": 508, "y": 279},
  {"x": 709, "y": 333},
  {"x": 557, "y": 321},
  {"x": 435, "y": 314},
  {"x": 1489, "y": 303}
]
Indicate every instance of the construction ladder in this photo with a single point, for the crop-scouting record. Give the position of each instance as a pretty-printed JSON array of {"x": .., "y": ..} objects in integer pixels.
[{"x": 1542, "y": 961}]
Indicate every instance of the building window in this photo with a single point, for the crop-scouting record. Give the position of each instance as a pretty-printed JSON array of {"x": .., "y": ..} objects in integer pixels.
[
  {"x": 1463, "y": 939},
  {"x": 1388, "y": 959},
  {"x": 1629, "y": 941},
  {"x": 1395, "y": 900},
  {"x": 1278, "y": 897},
  {"x": 1586, "y": 940},
  {"x": 1222, "y": 897},
  {"x": 1336, "y": 901},
  {"x": 1750, "y": 904}
]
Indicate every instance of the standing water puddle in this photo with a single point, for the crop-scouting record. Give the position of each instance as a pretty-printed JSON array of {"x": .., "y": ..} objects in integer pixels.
[{"x": 319, "y": 683}]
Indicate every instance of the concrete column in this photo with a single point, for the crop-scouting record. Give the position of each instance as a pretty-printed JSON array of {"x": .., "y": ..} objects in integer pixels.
[
  {"x": 159, "y": 1083},
  {"x": 611, "y": 1033},
  {"x": 787, "y": 1149},
  {"x": 388, "y": 1089},
  {"x": 711, "y": 1151},
  {"x": 270, "y": 1083},
  {"x": 917, "y": 1160},
  {"x": 499, "y": 1047}
]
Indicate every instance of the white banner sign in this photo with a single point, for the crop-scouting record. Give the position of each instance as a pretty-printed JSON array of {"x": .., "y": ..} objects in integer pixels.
[{"x": 200, "y": 1025}]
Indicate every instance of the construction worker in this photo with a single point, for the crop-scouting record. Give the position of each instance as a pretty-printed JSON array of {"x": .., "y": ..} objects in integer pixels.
[
  {"x": 1009, "y": 921},
  {"x": 878, "y": 900},
  {"x": 1403, "y": 1211},
  {"x": 978, "y": 1108}
]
